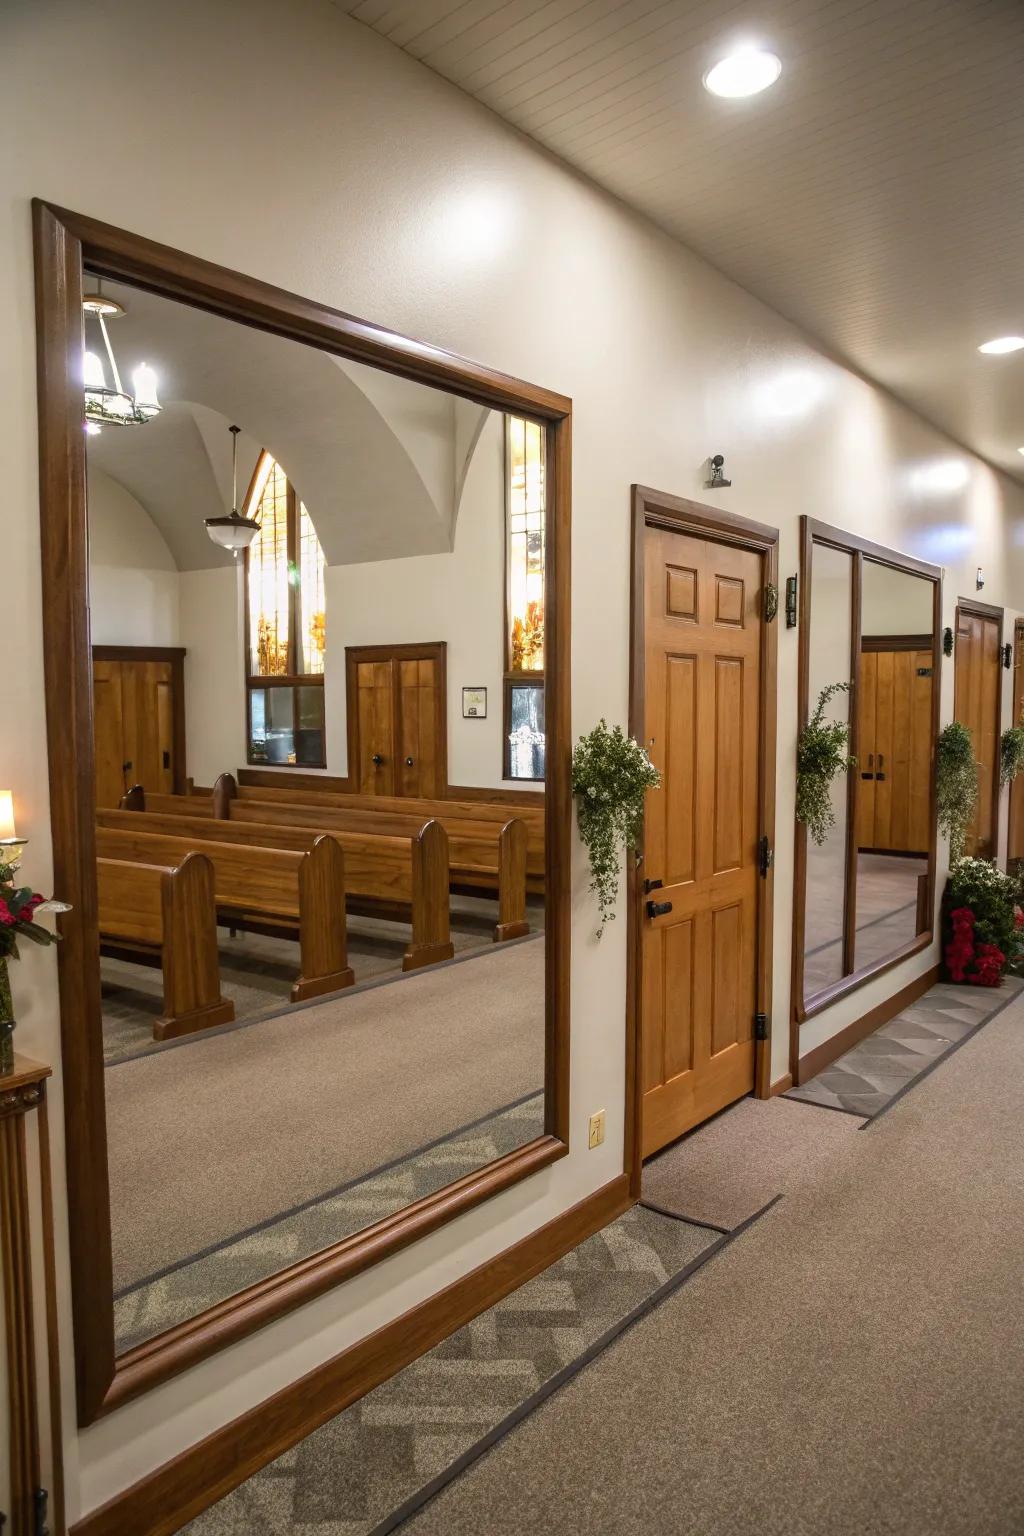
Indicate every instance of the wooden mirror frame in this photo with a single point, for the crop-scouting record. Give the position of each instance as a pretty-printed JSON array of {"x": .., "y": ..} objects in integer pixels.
[
  {"x": 813, "y": 532},
  {"x": 65, "y": 243}
]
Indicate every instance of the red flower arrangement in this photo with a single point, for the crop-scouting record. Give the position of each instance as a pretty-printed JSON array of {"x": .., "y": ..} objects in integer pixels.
[{"x": 967, "y": 958}]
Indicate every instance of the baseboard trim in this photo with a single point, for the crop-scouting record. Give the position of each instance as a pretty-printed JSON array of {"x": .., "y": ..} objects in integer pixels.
[
  {"x": 781, "y": 1085},
  {"x": 830, "y": 1050},
  {"x": 165, "y": 1500}
]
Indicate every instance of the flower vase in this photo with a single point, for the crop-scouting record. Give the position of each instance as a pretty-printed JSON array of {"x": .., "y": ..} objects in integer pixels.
[{"x": 6, "y": 1022}]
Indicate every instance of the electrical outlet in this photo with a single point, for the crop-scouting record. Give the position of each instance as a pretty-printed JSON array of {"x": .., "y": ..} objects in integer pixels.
[{"x": 596, "y": 1130}]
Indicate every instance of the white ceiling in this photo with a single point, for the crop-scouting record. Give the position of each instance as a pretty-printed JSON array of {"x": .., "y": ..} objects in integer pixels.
[{"x": 875, "y": 195}]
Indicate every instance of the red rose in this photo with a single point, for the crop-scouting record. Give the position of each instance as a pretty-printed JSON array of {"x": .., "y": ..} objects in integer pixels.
[
  {"x": 5, "y": 914},
  {"x": 25, "y": 915}
]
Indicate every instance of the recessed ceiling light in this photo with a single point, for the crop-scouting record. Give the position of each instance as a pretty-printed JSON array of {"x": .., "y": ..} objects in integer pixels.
[
  {"x": 1002, "y": 344},
  {"x": 743, "y": 73}
]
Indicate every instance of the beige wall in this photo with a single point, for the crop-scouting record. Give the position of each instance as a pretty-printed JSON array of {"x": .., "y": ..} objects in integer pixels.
[
  {"x": 384, "y": 192},
  {"x": 133, "y": 580}
]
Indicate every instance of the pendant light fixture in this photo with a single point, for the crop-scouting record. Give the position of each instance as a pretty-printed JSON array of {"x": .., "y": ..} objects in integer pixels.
[
  {"x": 114, "y": 406},
  {"x": 234, "y": 532}
]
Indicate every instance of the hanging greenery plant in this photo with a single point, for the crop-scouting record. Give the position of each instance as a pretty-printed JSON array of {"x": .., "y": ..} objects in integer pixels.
[
  {"x": 611, "y": 774},
  {"x": 1011, "y": 753},
  {"x": 956, "y": 785},
  {"x": 821, "y": 754}
]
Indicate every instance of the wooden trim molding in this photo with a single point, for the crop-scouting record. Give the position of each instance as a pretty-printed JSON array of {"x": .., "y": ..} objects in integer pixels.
[
  {"x": 180, "y": 1490},
  {"x": 812, "y": 534},
  {"x": 830, "y": 1050},
  {"x": 656, "y": 509},
  {"x": 65, "y": 244}
]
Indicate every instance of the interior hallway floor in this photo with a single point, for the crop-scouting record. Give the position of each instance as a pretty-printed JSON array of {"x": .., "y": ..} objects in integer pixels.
[{"x": 851, "y": 1361}]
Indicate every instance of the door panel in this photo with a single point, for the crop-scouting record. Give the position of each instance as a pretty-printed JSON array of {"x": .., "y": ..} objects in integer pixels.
[
  {"x": 400, "y": 718},
  {"x": 702, "y": 688},
  {"x": 148, "y": 729},
  {"x": 108, "y": 733},
  {"x": 895, "y": 751},
  {"x": 418, "y": 714},
  {"x": 376, "y": 728},
  {"x": 976, "y": 705}
]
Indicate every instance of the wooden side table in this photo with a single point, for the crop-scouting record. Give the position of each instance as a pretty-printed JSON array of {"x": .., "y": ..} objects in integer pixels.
[{"x": 23, "y": 1092}]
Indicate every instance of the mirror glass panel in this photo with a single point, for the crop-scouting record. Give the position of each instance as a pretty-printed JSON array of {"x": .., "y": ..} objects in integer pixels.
[
  {"x": 894, "y": 749},
  {"x": 872, "y": 624},
  {"x": 320, "y": 751},
  {"x": 830, "y": 653}
]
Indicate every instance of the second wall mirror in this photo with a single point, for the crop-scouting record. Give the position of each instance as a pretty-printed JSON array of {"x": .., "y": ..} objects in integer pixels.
[{"x": 864, "y": 895}]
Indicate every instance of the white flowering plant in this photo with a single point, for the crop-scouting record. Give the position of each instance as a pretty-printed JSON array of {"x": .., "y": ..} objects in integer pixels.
[{"x": 611, "y": 774}]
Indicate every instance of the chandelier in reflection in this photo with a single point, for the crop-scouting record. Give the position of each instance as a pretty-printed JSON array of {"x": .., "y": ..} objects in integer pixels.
[
  {"x": 233, "y": 532},
  {"x": 109, "y": 403}
]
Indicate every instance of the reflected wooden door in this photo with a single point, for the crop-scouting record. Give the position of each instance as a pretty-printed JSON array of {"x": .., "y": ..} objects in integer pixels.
[
  {"x": 895, "y": 750},
  {"x": 135, "y": 723},
  {"x": 702, "y": 708},
  {"x": 397, "y": 720},
  {"x": 976, "y": 705}
]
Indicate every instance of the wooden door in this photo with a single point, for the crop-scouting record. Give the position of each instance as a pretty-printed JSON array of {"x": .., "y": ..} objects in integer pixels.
[
  {"x": 702, "y": 720},
  {"x": 108, "y": 733},
  {"x": 137, "y": 723},
  {"x": 895, "y": 750},
  {"x": 1015, "y": 840},
  {"x": 976, "y": 705},
  {"x": 397, "y": 720}
]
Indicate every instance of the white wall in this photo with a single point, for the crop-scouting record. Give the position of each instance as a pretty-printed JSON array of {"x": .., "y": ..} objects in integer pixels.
[
  {"x": 387, "y": 194},
  {"x": 894, "y": 602},
  {"x": 133, "y": 580}
]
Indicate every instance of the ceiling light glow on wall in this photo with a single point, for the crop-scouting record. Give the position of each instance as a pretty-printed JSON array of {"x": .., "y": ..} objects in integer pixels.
[
  {"x": 1000, "y": 344},
  {"x": 743, "y": 73},
  {"x": 940, "y": 476}
]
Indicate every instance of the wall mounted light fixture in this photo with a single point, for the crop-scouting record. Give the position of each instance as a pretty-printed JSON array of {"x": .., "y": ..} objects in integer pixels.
[{"x": 716, "y": 472}]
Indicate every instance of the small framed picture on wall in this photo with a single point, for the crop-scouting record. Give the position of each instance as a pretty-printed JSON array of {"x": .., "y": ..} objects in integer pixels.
[{"x": 474, "y": 703}]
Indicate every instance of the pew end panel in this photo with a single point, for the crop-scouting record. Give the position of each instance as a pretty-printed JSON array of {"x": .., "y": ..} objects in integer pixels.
[
  {"x": 512, "y": 848},
  {"x": 323, "y": 938},
  {"x": 431, "y": 916}
]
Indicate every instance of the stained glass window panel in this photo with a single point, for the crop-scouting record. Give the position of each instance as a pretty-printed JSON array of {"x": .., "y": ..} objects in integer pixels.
[
  {"x": 312, "y": 606},
  {"x": 525, "y": 545},
  {"x": 268, "y": 581}
]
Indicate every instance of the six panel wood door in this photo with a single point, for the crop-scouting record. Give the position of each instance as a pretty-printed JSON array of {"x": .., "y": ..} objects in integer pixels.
[
  {"x": 702, "y": 693},
  {"x": 399, "y": 746},
  {"x": 895, "y": 751},
  {"x": 133, "y": 724},
  {"x": 976, "y": 705}
]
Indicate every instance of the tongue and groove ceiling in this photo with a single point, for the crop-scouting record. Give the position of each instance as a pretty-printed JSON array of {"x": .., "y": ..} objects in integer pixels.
[{"x": 874, "y": 195}]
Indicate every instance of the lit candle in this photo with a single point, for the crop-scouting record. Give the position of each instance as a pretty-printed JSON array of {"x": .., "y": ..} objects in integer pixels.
[{"x": 7, "y": 832}]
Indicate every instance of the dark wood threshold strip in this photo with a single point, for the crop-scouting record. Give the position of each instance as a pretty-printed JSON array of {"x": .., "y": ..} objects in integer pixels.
[
  {"x": 175, "y": 1493},
  {"x": 830, "y": 1050}
]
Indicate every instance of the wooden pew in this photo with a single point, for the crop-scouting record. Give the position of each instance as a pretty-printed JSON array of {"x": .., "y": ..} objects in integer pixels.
[
  {"x": 266, "y": 888},
  {"x": 485, "y": 857},
  {"x": 150, "y": 910},
  {"x": 212, "y": 803}
]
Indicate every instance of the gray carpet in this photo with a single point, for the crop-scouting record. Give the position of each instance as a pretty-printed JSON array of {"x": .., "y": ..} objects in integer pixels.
[
  {"x": 734, "y": 1164},
  {"x": 257, "y": 971},
  {"x": 221, "y": 1133},
  {"x": 353, "y": 1476},
  {"x": 871, "y": 1075},
  {"x": 160, "y": 1301},
  {"x": 852, "y": 1365}
]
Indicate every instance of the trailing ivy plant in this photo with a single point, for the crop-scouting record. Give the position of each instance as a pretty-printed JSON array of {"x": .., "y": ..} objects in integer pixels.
[
  {"x": 611, "y": 774},
  {"x": 956, "y": 785},
  {"x": 821, "y": 755},
  {"x": 1011, "y": 754}
]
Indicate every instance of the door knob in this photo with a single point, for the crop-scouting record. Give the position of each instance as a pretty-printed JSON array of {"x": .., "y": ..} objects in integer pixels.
[
  {"x": 658, "y": 908},
  {"x": 408, "y": 762},
  {"x": 377, "y": 759}
]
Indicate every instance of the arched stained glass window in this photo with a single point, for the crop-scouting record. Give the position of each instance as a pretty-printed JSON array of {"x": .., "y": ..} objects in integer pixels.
[
  {"x": 524, "y": 568},
  {"x": 285, "y": 625}
]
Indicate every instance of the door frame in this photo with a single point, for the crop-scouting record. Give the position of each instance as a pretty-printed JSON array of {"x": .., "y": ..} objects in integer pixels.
[
  {"x": 429, "y": 650},
  {"x": 657, "y": 509},
  {"x": 981, "y": 610},
  {"x": 175, "y": 654}
]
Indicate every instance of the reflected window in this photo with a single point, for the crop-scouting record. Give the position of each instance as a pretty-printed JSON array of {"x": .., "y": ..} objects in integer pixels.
[
  {"x": 524, "y": 562},
  {"x": 286, "y": 625}
]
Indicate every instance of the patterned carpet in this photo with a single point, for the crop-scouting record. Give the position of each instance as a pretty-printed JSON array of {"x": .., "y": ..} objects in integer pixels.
[
  {"x": 363, "y": 1472},
  {"x": 182, "y": 1290},
  {"x": 870, "y": 1076}
]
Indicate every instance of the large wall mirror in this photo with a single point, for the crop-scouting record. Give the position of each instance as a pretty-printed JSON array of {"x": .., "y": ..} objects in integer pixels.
[
  {"x": 864, "y": 896},
  {"x": 307, "y": 615}
]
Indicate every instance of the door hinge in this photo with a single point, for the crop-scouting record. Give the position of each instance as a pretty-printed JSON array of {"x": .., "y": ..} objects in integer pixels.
[
  {"x": 765, "y": 856},
  {"x": 760, "y": 1026}
]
